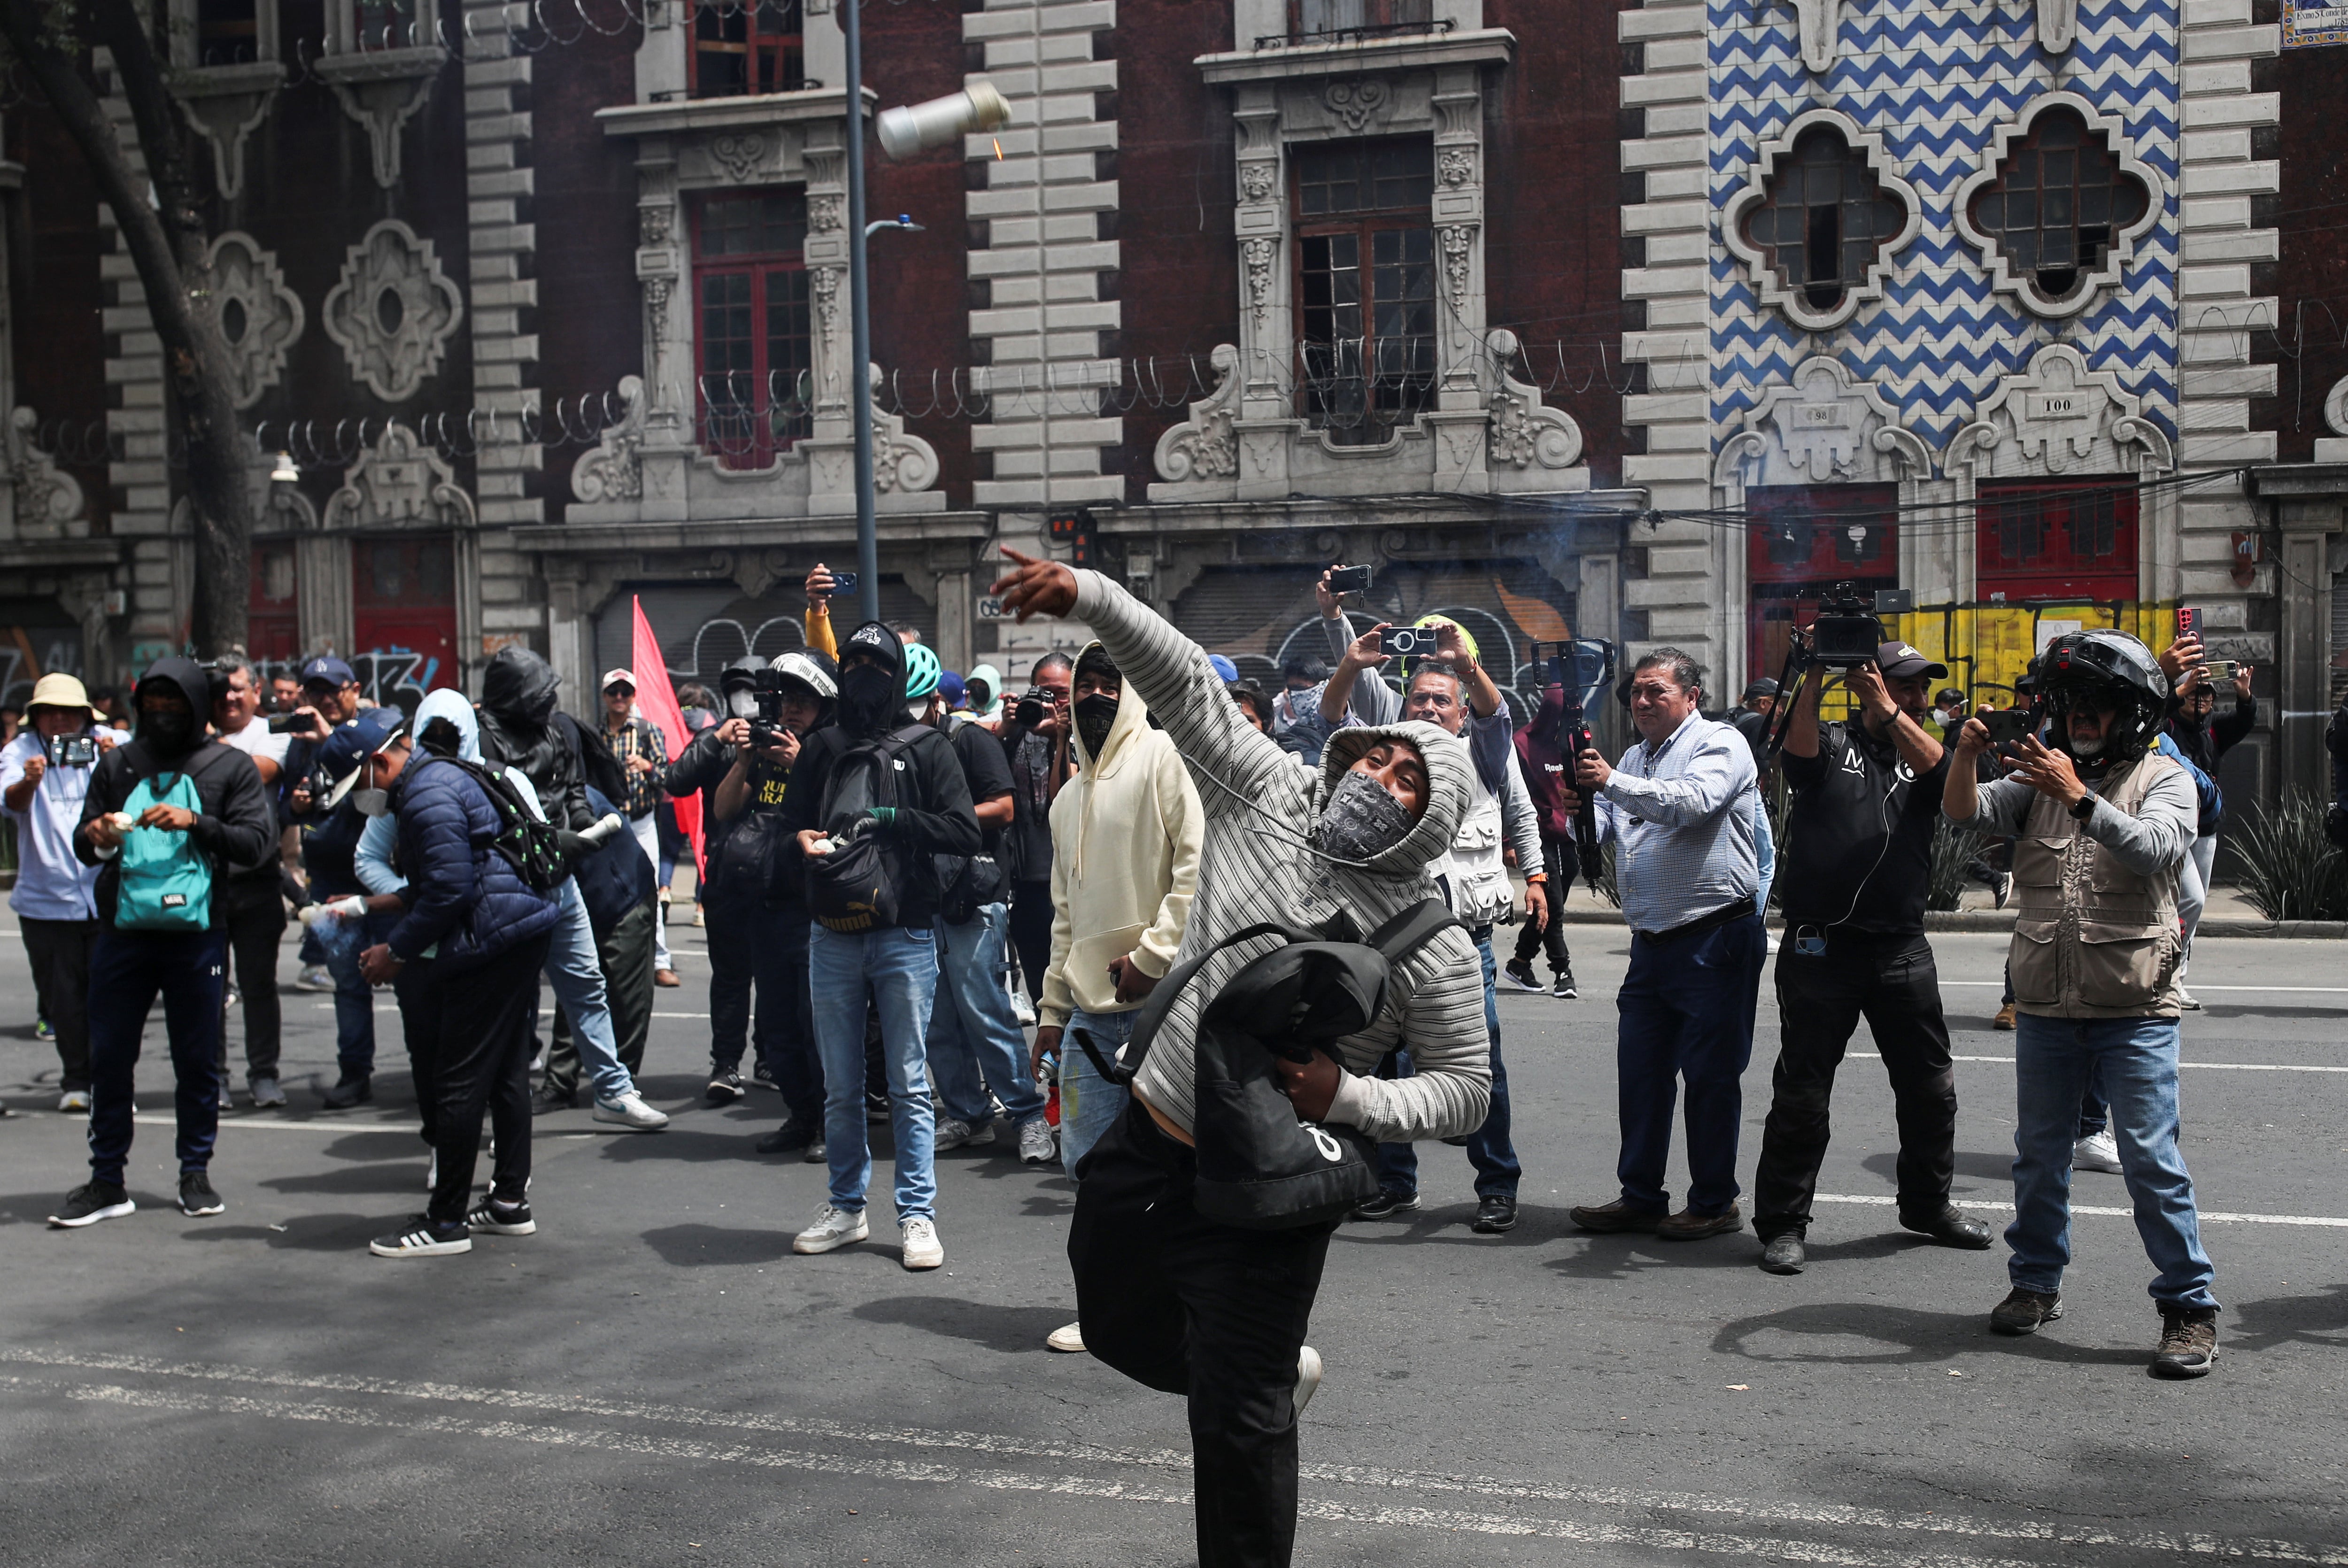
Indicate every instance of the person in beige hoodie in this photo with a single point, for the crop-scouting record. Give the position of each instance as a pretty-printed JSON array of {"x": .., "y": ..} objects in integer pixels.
[{"x": 1126, "y": 836}]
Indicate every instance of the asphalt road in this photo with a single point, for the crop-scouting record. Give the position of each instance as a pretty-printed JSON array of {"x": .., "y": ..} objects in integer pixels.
[{"x": 655, "y": 1377}]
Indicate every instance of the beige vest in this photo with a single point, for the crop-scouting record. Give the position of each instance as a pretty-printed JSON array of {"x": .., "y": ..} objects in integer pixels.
[{"x": 2092, "y": 939}]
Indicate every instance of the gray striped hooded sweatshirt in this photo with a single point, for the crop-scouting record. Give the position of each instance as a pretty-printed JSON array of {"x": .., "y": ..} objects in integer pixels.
[{"x": 1260, "y": 806}]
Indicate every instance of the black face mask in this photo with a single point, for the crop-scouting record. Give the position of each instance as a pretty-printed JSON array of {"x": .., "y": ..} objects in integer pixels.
[
  {"x": 868, "y": 695},
  {"x": 1094, "y": 715},
  {"x": 166, "y": 733}
]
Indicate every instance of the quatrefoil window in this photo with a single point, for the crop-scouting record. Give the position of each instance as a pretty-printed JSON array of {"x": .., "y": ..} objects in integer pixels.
[
  {"x": 2057, "y": 205},
  {"x": 1820, "y": 219}
]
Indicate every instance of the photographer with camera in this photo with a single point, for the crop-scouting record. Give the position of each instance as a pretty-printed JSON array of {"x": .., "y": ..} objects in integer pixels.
[
  {"x": 1036, "y": 738},
  {"x": 636, "y": 743},
  {"x": 1867, "y": 802},
  {"x": 2102, "y": 829},
  {"x": 2204, "y": 739},
  {"x": 45, "y": 774}
]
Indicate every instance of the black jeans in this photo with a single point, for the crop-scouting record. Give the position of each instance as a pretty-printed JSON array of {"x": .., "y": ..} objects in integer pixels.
[
  {"x": 482, "y": 1059},
  {"x": 1558, "y": 860},
  {"x": 1031, "y": 932},
  {"x": 416, "y": 989},
  {"x": 256, "y": 925},
  {"x": 1218, "y": 1314},
  {"x": 625, "y": 953},
  {"x": 59, "y": 952},
  {"x": 1892, "y": 982},
  {"x": 750, "y": 944}
]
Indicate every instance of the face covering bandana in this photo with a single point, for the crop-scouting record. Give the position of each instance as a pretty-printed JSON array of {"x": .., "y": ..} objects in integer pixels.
[
  {"x": 1360, "y": 820},
  {"x": 867, "y": 695},
  {"x": 166, "y": 733},
  {"x": 1094, "y": 715}
]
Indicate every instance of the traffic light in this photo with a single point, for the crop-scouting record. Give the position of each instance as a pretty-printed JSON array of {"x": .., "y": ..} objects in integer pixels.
[{"x": 1073, "y": 530}]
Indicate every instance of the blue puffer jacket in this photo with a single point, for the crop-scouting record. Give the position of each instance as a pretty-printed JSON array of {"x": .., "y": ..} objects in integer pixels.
[{"x": 462, "y": 893}]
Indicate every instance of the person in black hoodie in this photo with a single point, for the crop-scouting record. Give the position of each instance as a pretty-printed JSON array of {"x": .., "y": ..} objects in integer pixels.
[
  {"x": 932, "y": 815},
  {"x": 198, "y": 796},
  {"x": 520, "y": 728}
]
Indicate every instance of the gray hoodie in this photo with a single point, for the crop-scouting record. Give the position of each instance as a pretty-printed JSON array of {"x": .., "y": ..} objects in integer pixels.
[{"x": 1261, "y": 808}]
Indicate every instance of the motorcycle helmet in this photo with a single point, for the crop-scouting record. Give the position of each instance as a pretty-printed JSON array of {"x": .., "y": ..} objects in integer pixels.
[{"x": 2106, "y": 669}]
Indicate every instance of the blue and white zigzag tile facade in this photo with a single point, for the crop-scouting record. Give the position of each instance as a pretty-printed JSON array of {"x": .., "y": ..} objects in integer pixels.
[{"x": 1935, "y": 81}]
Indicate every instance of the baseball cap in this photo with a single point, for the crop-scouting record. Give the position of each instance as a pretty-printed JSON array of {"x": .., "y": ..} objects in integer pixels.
[
  {"x": 1900, "y": 659},
  {"x": 327, "y": 670},
  {"x": 346, "y": 747},
  {"x": 615, "y": 677},
  {"x": 57, "y": 689},
  {"x": 1225, "y": 671},
  {"x": 950, "y": 687},
  {"x": 1764, "y": 687}
]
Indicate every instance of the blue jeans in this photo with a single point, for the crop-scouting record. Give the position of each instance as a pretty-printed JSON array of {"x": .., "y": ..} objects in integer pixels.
[
  {"x": 1489, "y": 1147},
  {"x": 2134, "y": 1061},
  {"x": 126, "y": 969},
  {"x": 574, "y": 967},
  {"x": 899, "y": 966},
  {"x": 1089, "y": 1103},
  {"x": 1687, "y": 1013},
  {"x": 343, "y": 941},
  {"x": 972, "y": 1027}
]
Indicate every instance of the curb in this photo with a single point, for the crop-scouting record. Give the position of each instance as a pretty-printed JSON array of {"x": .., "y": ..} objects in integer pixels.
[{"x": 1987, "y": 920}]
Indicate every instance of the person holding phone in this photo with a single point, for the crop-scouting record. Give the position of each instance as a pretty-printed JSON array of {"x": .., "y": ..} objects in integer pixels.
[
  {"x": 45, "y": 774},
  {"x": 2195, "y": 727}
]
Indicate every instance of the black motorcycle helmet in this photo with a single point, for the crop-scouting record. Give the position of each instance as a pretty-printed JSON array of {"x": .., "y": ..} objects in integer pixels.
[
  {"x": 738, "y": 685},
  {"x": 2106, "y": 669}
]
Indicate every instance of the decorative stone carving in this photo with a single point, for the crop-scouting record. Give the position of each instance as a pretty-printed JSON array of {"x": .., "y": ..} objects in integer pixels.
[
  {"x": 2059, "y": 25},
  {"x": 614, "y": 470},
  {"x": 1525, "y": 432},
  {"x": 741, "y": 156},
  {"x": 657, "y": 222},
  {"x": 827, "y": 214},
  {"x": 1817, "y": 25},
  {"x": 400, "y": 482},
  {"x": 245, "y": 295},
  {"x": 2058, "y": 417},
  {"x": 1824, "y": 426},
  {"x": 827, "y": 322},
  {"x": 901, "y": 462},
  {"x": 1455, "y": 166},
  {"x": 1458, "y": 241},
  {"x": 1357, "y": 102},
  {"x": 2023, "y": 286},
  {"x": 48, "y": 500},
  {"x": 382, "y": 89},
  {"x": 1203, "y": 446},
  {"x": 225, "y": 105},
  {"x": 1258, "y": 253},
  {"x": 394, "y": 311},
  {"x": 1255, "y": 180},
  {"x": 1767, "y": 283}
]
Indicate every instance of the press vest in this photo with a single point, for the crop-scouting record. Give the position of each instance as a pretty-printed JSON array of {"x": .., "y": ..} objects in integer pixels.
[{"x": 2092, "y": 939}]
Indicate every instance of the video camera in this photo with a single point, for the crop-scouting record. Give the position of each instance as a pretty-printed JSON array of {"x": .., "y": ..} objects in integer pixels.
[
  {"x": 1848, "y": 632},
  {"x": 767, "y": 728}
]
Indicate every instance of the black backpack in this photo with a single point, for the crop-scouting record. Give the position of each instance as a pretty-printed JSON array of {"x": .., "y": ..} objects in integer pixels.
[
  {"x": 860, "y": 885},
  {"x": 1260, "y": 1167},
  {"x": 532, "y": 846}
]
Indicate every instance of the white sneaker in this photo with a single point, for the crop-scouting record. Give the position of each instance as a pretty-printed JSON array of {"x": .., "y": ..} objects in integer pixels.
[
  {"x": 631, "y": 1111},
  {"x": 316, "y": 978},
  {"x": 2101, "y": 1152},
  {"x": 923, "y": 1248},
  {"x": 1023, "y": 1009},
  {"x": 953, "y": 1133},
  {"x": 833, "y": 1229},
  {"x": 2188, "y": 1000},
  {"x": 1068, "y": 1339},
  {"x": 74, "y": 1100},
  {"x": 1039, "y": 1143},
  {"x": 1308, "y": 1376}
]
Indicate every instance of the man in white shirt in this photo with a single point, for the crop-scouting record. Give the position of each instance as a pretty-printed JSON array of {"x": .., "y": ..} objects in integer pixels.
[
  {"x": 256, "y": 898},
  {"x": 44, "y": 775}
]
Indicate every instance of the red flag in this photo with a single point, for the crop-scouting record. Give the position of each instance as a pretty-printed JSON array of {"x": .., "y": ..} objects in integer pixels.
[{"x": 656, "y": 700}]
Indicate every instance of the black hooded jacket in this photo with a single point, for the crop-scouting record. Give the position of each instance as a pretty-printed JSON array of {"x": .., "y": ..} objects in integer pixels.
[
  {"x": 235, "y": 829},
  {"x": 518, "y": 728},
  {"x": 742, "y": 856}
]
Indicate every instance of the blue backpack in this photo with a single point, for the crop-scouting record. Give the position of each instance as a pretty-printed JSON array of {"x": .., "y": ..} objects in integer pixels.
[{"x": 166, "y": 882}]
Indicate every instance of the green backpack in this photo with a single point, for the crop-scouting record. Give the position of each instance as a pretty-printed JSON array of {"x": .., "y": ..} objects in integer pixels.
[{"x": 166, "y": 883}]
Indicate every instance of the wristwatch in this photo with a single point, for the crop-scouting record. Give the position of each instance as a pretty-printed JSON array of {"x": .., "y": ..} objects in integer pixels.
[{"x": 2084, "y": 808}]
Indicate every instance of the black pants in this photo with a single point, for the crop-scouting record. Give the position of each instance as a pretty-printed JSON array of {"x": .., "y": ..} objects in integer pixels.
[
  {"x": 750, "y": 945},
  {"x": 59, "y": 952},
  {"x": 256, "y": 925},
  {"x": 625, "y": 953},
  {"x": 416, "y": 988},
  {"x": 482, "y": 1032},
  {"x": 1031, "y": 932},
  {"x": 1890, "y": 981},
  {"x": 1558, "y": 858},
  {"x": 1189, "y": 1307}
]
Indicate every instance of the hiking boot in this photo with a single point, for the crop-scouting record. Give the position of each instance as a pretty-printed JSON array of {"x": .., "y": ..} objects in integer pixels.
[
  {"x": 2004, "y": 1019},
  {"x": 1496, "y": 1214},
  {"x": 1951, "y": 1227},
  {"x": 2024, "y": 1311},
  {"x": 1520, "y": 974},
  {"x": 1385, "y": 1206},
  {"x": 1688, "y": 1225},
  {"x": 1616, "y": 1217},
  {"x": 350, "y": 1089},
  {"x": 1784, "y": 1254},
  {"x": 2188, "y": 1342}
]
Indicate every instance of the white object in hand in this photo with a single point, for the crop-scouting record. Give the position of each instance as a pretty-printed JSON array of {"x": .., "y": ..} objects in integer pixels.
[
  {"x": 123, "y": 821},
  {"x": 607, "y": 827},
  {"x": 348, "y": 907}
]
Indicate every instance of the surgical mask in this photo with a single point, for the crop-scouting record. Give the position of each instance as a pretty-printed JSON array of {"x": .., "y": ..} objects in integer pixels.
[
  {"x": 867, "y": 693},
  {"x": 742, "y": 703},
  {"x": 1361, "y": 819},
  {"x": 1095, "y": 717},
  {"x": 371, "y": 803}
]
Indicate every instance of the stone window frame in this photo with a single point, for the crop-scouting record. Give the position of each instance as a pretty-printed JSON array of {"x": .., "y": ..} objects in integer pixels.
[
  {"x": 697, "y": 10},
  {"x": 760, "y": 266},
  {"x": 2022, "y": 288},
  {"x": 1768, "y": 285},
  {"x": 1365, "y": 224}
]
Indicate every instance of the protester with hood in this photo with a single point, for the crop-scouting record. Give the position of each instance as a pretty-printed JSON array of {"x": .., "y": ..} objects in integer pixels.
[
  {"x": 1545, "y": 769},
  {"x": 749, "y": 894},
  {"x": 56, "y": 896},
  {"x": 897, "y": 963},
  {"x": 520, "y": 727},
  {"x": 982, "y": 697},
  {"x": 163, "y": 911},
  {"x": 1170, "y": 1299}
]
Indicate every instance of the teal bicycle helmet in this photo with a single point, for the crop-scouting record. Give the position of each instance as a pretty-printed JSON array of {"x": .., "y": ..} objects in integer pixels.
[{"x": 922, "y": 668}]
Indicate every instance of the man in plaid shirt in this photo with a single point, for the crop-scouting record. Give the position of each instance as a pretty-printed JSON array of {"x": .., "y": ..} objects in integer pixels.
[{"x": 643, "y": 752}]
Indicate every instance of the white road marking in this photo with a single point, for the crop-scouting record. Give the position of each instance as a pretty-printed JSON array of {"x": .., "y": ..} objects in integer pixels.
[
  {"x": 2315, "y": 990},
  {"x": 2211, "y": 1216},
  {"x": 1612, "y": 1500},
  {"x": 2208, "y": 1066}
]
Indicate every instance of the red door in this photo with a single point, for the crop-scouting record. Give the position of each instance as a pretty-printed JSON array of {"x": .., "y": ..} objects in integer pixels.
[
  {"x": 272, "y": 610},
  {"x": 2056, "y": 539},
  {"x": 1802, "y": 541},
  {"x": 404, "y": 607}
]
